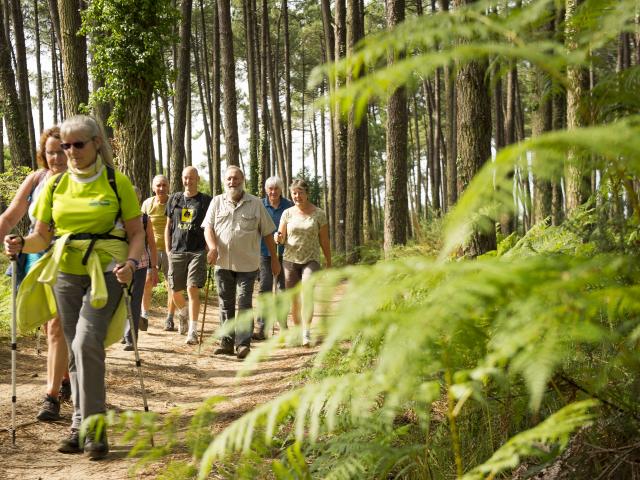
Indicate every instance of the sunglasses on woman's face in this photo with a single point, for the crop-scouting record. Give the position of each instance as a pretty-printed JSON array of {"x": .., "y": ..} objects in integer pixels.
[{"x": 76, "y": 145}]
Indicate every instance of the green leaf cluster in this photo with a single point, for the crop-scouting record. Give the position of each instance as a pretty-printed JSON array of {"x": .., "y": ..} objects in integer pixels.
[{"x": 127, "y": 40}]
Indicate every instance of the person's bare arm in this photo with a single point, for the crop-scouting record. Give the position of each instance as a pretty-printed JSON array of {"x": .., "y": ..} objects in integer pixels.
[
  {"x": 135, "y": 235},
  {"x": 33, "y": 243},
  {"x": 271, "y": 246},
  {"x": 18, "y": 206},
  {"x": 212, "y": 245},
  {"x": 325, "y": 245},
  {"x": 167, "y": 236},
  {"x": 153, "y": 254}
]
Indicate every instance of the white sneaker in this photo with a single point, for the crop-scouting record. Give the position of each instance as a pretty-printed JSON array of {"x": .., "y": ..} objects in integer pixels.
[
  {"x": 183, "y": 321},
  {"x": 192, "y": 338},
  {"x": 306, "y": 338}
]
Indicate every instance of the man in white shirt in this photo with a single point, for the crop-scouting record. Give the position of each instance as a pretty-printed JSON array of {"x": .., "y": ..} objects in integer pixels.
[{"x": 234, "y": 224}]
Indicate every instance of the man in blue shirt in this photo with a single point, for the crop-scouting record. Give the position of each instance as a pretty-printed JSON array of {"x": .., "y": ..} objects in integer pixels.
[{"x": 275, "y": 204}]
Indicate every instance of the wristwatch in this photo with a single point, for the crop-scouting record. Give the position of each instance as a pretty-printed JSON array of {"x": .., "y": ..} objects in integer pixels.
[{"x": 134, "y": 261}]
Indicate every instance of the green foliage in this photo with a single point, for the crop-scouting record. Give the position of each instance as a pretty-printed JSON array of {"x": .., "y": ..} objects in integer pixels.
[
  {"x": 544, "y": 440},
  {"x": 10, "y": 181},
  {"x": 432, "y": 366},
  {"x": 127, "y": 42}
]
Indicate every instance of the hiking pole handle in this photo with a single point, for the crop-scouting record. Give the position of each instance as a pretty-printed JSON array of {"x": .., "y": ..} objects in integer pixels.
[{"x": 14, "y": 256}]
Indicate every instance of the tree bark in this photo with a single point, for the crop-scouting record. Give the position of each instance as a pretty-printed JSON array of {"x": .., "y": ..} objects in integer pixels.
[
  {"x": 183, "y": 84},
  {"x": 216, "y": 187},
  {"x": 11, "y": 109},
  {"x": 287, "y": 91},
  {"x": 74, "y": 57},
  {"x": 341, "y": 142},
  {"x": 36, "y": 22},
  {"x": 159, "y": 134},
  {"x": 265, "y": 147},
  {"x": 577, "y": 179},
  {"x": 22, "y": 74},
  {"x": 276, "y": 116},
  {"x": 255, "y": 185},
  {"x": 228, "y": 65},
  {"x": 396, "y": 201},
  {"x": 356, "y": 138},
  {"x": 451, "y": 162},
  {"x": 329, "y": 52},
  {"x": 473, "y": 144}
]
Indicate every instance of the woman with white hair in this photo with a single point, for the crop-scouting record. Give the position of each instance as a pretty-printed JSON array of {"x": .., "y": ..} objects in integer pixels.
[
  {"x": 98, "y": 243},
  {"x": 275, "y": 204}
]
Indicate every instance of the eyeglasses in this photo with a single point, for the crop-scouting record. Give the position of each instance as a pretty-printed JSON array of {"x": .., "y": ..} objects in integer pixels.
[{"x": 76, "y": 145}]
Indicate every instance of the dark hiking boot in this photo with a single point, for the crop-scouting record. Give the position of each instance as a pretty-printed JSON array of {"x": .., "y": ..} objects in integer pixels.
[
  {"x": 64, "y": 395},
  {"x": 242, "y": 352},
  {"x": 128, "y": 347},
  {"x": 168, "y": 325},
  {"x": 224, "y": 350},
  {"x": 71, "y": 444},
  {"x": 258, "y": 336},
  {"x": 144, "y": 324},
  {"x": 50, "y": 410},
  {"x": 96, "y": 448}
]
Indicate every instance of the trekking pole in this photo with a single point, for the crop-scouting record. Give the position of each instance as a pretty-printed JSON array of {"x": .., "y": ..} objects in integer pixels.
[
  {"x": 14, "y": 345},
  {"x": 204, "y": 310},
  {"x": 38, "y": 349},
  {"x": 134, "y": 337},
  {"x": 274, "y": 291}
]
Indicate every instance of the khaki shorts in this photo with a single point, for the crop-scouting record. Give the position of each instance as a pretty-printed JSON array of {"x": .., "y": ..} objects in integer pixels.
[
  {"x": 187, "y": 269},
  {"x": 294, "y": 272}
]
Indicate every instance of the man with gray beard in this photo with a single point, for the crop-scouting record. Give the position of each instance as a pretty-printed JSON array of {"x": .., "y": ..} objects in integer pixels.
[{"x": 234, "y": 224}]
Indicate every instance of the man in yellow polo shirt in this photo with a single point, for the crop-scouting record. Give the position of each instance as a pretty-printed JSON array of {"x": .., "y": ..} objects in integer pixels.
[{"x": 156, "y": 208}]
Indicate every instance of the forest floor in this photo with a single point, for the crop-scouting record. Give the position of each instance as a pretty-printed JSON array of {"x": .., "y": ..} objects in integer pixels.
[{"x": 174, "y": 375}]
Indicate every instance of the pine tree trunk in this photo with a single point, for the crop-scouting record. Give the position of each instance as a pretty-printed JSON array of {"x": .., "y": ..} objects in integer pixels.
[
  {"x": 255, "y": 185},
  {"x": 36, "y": 22},
  {"x": 188, "y": 143},
  {"x": 159, "y": 134},
  {"x": 329, "y": 51},
  {"x": 22, "y": 74},
  {"x": 216, "y": 187},
  {"x": 228, "y": 68},
  {"x": 275, "y": 114},
  {"x": 396, "y": 201},
  {"x": 577, "y": 179},
  {"x": 203, "y": 102},
  {"x": 12, "y": 110},
  {"x": 54, "y": 76},
  {"x": 183, "y": 85},
  {"x": 265, "y": 120},
  {"x": 355, "y": 146},
  {"x": 287, "y": 91},
  {"x": 341, "y": 141},
  {"x": 541, "y": 122},
  {"x": 74, "y": 57},
  {"x": 133, "y": 134},
  {"x": 418, "y": 158},
  {"x": 451, "y": 162},
  {"x": 473, "y": 146}
]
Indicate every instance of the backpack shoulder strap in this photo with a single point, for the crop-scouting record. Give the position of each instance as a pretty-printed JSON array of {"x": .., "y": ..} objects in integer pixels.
[
  {"x": 111, "y": 177},
  {"x": 56, "y": 182}
]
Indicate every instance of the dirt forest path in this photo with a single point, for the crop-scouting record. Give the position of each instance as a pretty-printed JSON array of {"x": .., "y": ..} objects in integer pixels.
[{"x": 175, "y": 376}]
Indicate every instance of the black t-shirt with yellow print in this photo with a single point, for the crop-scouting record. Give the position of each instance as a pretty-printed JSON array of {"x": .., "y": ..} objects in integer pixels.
[{"x": 186, "y": 215}]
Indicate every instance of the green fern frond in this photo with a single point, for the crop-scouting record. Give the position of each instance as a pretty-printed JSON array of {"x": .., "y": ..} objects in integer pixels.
[{"x": 551, "y": 435}]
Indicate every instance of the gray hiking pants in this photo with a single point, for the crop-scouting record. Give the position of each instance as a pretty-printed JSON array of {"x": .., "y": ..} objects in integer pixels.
[{"x": 85, "y": 329}]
